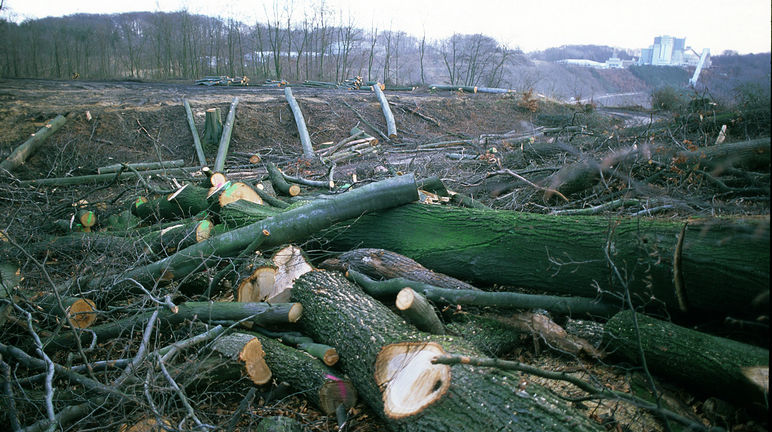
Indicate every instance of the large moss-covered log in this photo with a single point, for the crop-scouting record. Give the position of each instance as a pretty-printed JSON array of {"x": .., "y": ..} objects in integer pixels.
[
  {"x": 724, "y": 262},
  {"x": 363, "y": 330},
  {"x": 716, "y": 366}
]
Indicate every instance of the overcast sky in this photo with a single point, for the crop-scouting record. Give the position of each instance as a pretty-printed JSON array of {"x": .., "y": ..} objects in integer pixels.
[{"x": 740, "y": 25}]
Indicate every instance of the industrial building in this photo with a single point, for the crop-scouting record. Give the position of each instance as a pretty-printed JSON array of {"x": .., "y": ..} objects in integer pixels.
[{"x": 672, "y": 51}]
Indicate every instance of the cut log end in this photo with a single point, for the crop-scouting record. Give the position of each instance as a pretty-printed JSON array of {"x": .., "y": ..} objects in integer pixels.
[
  {"x": 759, "y": 376},
  {"x": 253, "y": 356},
  {"x": 217, "y": 179},
  {"x": 257, "y": 286},
  {"x": 87, "y": 218},
  {"x": 82, "y": 313},
  {"x": 254, "y": 159},
  {"x": 331, "y": 357},
  {"x": 295, "y": 312},
  {"x": 405, "y": 299},
  {"x": 239, "y": 191},
  {"x": 294, "y": 190},
  {"x": 336, "y": 392},
  {"x": 409, "y": 379},
  {"x": 203, "y": 230}
]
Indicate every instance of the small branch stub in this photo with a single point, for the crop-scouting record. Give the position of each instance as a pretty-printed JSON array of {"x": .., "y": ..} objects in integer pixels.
[{"x": 409, "y": 380}]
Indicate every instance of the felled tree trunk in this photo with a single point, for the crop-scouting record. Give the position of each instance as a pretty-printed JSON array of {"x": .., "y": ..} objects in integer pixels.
[
  {"x": 716, "y": 366},
  {"x": 380, "y": 263},
  {"x": 724, "y": 262},
  {"x": 376, "y": 346},
  {"x": 292, "y": 225},
  {"x": 22, "y": 152},
  {"x": 305, "y": 139},
  {"x": 225, "y": 138},
  {"x": 257, "y": 313},
  {"x": 308, "y": 375}
]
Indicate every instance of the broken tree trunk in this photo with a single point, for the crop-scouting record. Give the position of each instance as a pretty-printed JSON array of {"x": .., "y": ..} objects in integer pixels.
[
  {"x": 247, "y": 353},
  {"x": 290, "y": 226},
  {"x": 212, "y": 127},
  {"x": 225, "y": 139},
  {"x": 305, "y": 139},
  {"x": 391, "y": 127},
  {"x": 716, "y": 366},
  {"x": 194, "y": 132},
  {"x": 724, "y": 262},
  {"x": 22, "y": 152},
  {"x": 390, "y": 365},
  {"x": 309, "y": 376}
]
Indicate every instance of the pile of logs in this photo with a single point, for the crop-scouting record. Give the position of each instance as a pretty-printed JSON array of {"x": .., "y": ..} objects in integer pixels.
[
  {"x": 292, "y": 322},
  {"x": 222, "y": 80}
]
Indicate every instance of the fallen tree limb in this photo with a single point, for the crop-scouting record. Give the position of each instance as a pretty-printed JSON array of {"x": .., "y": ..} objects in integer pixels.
[
  {"x": 140, "y": 166},
  {"x": 383, "y": 264},
  {"x": 290, "y": 226},
  {"x": 305, "y": 139},
  {"x": 713, "y": 365},
  {"x": 725, "y": 262},
  {"x": 23, "y": 151},
  {"x": 560, "y": 305},
  {"x": 390, "y": 365},
  {"x": 225, "y": 139},
  {"x": 309, "y": 376},
  {"x": 391, "y": 127},
  {"x": 100, "y": 178},
  {"x": 196, "y": 140},
  {"x": 257, "y": 313}
]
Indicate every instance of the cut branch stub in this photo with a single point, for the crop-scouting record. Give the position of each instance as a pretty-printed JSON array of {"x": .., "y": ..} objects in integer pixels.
[
  {"x": 336, "y": 392},
  {"x": 409, "y": 380}
]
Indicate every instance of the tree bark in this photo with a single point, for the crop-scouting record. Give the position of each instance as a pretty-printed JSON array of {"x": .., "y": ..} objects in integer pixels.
[
  {"x": 339, "y": 313},
  {"x": 724, "y": 262},
  {"x": 305, "y": 139},
  {"x": 280, "y": 185},
  {"x": 716, "y": 366},
  {"x": 23, "y": 151}
]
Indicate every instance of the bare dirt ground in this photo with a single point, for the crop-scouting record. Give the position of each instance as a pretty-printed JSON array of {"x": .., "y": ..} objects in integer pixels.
[{"x": 480, "y": 134}]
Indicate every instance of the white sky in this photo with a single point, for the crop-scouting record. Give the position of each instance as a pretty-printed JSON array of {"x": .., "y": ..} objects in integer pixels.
[{"x": 740, "y": 25}]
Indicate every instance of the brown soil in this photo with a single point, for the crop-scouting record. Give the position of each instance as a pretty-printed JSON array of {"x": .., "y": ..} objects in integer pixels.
[{"x": 140, "y": 122}]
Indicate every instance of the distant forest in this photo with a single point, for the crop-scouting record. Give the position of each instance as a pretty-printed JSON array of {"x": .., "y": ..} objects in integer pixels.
[
  {"x": 183, "y": 46},
  {"x": 165, "y": 46}
]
